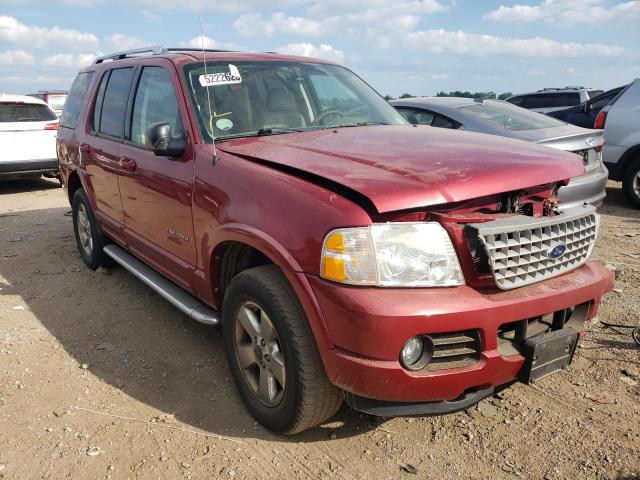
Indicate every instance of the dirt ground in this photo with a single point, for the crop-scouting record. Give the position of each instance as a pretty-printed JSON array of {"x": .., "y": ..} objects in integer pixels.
[{"x": 101, "y": 378}]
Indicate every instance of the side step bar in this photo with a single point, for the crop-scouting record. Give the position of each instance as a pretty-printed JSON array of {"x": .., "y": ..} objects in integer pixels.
[{"x": 186, "y": 303}]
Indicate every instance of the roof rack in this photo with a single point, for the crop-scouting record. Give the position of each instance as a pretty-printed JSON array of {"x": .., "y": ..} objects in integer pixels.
[
  {"x": 155, "y": 50},
  {"x": 568, "y": 87}
]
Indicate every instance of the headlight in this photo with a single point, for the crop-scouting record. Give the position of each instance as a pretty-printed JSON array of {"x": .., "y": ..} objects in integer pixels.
[{"x": 391, "y": 255}]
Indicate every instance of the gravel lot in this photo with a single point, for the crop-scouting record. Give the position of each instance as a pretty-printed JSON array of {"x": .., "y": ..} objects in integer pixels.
[{"x": 101, "y": 378}]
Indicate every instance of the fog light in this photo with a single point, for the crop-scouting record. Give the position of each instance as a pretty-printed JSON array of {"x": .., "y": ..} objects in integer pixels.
[{"x": 412, "y": 352}]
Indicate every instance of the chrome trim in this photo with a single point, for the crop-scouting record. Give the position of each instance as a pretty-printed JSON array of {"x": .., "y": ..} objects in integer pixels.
[{"x": 168, "y": 290}]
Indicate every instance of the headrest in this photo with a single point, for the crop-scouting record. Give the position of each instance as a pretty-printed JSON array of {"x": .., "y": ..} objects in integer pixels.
[{"x": 281, "y": 100}]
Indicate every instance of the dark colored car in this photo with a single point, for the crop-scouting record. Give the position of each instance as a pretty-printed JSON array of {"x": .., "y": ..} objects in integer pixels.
[
  {"x": 584, "y": 115},
  {"x": 346, "y": 254}
]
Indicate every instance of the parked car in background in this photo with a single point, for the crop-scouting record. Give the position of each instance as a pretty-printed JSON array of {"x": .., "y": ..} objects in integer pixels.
[
  {"x": 347, "y": 254},
  {"x": 54, "y": 98},
  {"x": 496, "y": 117},
  {"x": 620, "y": 120},
  {"x": 28, "y": 130},
  {"x": 584, "y": 115},
  {"x": 551, "y": 99}
]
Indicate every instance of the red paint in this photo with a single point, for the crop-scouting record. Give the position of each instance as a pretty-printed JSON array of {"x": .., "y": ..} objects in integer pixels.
[{"x": 151, "y": 205}]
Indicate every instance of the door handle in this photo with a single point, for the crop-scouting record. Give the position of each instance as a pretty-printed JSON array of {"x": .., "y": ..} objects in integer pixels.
[{"x": 128, "y": 164}]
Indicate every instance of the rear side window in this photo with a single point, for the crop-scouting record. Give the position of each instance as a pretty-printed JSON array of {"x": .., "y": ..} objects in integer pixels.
[
  {"x": 155, "y": 102},
  {"x": 25, "y": 112},
  {"x": 516, "y": 100},
  {"x": 75, "y": 100},
  {"x": 444, "y": 122},
  {"x": 114, "y": 103},
  {"x": 416, "y": 116}
]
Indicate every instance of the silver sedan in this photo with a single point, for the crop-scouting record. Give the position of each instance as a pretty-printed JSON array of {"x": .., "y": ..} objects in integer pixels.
[{"x": 501, "y": 118}]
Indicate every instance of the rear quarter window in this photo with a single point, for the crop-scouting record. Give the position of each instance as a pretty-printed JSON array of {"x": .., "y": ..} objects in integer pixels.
[
  {"x": 75, "y": 100},
  {"x": 25, "y": 112}
]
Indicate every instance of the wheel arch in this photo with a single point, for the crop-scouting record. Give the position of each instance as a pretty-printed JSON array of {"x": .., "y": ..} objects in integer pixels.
[
  {"x": 240, "y": 247},
  {"x": 632, "y": 154}
]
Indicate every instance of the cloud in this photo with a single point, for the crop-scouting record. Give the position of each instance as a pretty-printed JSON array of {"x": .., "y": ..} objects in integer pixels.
[
  {"x": 440, "y": 76},
  {"x": 323, "y": 51},
  {"x": 16, "y": 57},
  {"x": 12, "y": 31},
  {"x": 211, "y": 44},
  {"x": 253, "y": 24},
  {"x": 121, "y": 41},
  {"x": 473, "y": 44},
  {"x": 151, "y": 16},
  {"x": 567, "y": 12},
  {"x": 329, "y": 16},
  {"x": 68, "y": 60}
]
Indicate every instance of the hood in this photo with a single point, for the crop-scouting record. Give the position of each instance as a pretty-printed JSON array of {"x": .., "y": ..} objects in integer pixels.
[{"x": 402, "y": 167}]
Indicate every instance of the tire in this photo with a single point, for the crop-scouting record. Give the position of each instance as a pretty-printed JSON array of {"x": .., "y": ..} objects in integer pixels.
[
  {"x": 631, "y": 183},
  {"x": 89, "y": 237},
  {"x": 307, "y": 397}
]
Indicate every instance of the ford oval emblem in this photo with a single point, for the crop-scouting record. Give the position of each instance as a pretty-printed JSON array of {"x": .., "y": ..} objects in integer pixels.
[{"x": 557, "y": 251}]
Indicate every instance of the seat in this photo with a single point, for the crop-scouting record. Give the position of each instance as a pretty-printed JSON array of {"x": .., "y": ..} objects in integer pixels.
[{"x": 282, "y": 111}]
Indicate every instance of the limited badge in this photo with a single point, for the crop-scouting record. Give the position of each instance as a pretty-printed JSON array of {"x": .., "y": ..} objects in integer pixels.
[{"x": 224, "y": 124}]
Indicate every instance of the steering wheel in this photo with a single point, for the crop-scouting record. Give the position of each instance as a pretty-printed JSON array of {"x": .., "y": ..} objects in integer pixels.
[{"x": 326, "y": 114}]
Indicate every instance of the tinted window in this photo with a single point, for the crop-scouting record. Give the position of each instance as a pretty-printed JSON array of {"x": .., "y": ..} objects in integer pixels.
[
  {"x": 97, "y": 107},
  {"x": 25, "y": 112},
  {"x": 549, "y": 100},
  {"x": 75, "y": 100},
  {"x": 115, "y": 102},
  {"x": 416, "y": 116},
  {"x": 155, "y": 102},
  {"x": 595, "y": 93},
  {"x": 444, "y": 122},
  {"x": 515, "y": 100}
]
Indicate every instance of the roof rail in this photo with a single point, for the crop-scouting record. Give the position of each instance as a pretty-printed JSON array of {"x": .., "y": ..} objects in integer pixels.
[
  {"x": 155, "y": 50},
  {"x": 196, "y": 50}
]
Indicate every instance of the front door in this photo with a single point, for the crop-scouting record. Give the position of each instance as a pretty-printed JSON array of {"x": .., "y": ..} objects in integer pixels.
[{"x": 157, "y": 191}]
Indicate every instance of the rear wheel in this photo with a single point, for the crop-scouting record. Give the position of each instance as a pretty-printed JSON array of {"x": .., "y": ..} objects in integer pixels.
[
  {"x": 631, "y": 183},
  {"x": 272, "y": 353},
  {"x": 89, "y": 237}
]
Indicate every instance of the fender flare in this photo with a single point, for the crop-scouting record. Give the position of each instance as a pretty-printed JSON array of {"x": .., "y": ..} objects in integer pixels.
[{"x": 280, "y": 256}]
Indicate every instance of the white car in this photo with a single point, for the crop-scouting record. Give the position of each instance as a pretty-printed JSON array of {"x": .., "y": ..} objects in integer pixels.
[{"x": 28, "y": 129}]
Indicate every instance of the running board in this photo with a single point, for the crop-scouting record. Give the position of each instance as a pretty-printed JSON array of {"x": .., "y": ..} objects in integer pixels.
[{"x": 175, "y": 295}]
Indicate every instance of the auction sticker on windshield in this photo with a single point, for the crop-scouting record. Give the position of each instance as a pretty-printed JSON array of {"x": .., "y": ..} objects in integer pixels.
[{"x": 224, "y": 78}]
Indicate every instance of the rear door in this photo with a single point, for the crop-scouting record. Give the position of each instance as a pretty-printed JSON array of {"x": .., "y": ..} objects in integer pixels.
[
  {"x": 100, "y": 151},
  {"x": 157, "y": 191}
]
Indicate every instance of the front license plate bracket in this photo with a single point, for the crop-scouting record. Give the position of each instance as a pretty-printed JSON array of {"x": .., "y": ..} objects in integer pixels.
[{"x": 548, "y": 353}]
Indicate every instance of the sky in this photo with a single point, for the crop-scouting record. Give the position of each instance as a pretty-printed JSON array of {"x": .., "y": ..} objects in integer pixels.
[{"x": 401, "y": 46}]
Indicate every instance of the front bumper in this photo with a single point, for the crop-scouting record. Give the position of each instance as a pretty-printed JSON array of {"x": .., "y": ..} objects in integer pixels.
[
  {"x": 589, "y": 188},
  {"x": 368, "y": 327},
  {"x": 29, "y": 167}
]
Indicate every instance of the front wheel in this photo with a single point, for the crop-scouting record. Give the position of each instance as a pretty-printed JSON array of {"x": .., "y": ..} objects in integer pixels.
[
  {"x": 631, "y": 183},
  {"x": 272, "y": 353},
  {"x": 89, "y": 237}
]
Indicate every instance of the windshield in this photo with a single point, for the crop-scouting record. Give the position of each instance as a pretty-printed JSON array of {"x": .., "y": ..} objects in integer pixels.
[
  {"x": 260, "y": 97},
  {"x": 510, "y": 117}
]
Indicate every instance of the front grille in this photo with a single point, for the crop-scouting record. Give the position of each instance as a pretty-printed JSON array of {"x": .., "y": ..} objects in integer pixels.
[
  {"x": 519, "y": 248},
  {"x": 454, "y": 349}
]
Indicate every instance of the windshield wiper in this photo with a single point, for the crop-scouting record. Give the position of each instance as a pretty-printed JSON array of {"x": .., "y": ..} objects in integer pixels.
[
  {"x": 275, "y": 131},
  {"x": 358, "y": 124}
]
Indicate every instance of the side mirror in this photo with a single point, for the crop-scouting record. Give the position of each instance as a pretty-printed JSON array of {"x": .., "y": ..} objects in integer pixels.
[{"x": 158, "y": 137}]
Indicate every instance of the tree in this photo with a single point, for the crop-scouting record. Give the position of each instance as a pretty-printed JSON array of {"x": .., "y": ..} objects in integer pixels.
[
  {"x": 388, "y": 97},
  {"x": 406, "y": 95}
]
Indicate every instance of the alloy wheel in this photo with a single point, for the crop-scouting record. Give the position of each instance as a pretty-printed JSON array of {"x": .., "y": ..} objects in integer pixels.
[
  {"x": 259, "y": 354},
  {"x": 84, "y": 231}
]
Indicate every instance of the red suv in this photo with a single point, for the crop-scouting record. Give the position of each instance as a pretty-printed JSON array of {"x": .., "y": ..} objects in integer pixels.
[{"x": 345, "y": 253}]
